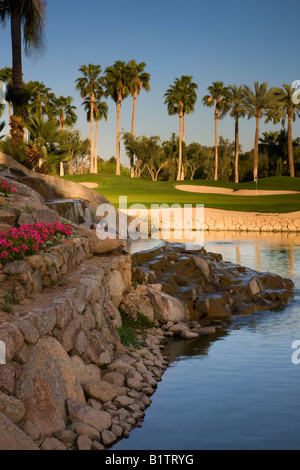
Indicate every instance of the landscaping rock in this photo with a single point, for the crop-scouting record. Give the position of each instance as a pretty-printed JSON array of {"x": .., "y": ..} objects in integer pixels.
[
  {"x": 12, "y": 437},
  {"x": 103, "y": 391},
  {"x": 115, "y": 378},
  {"x": 84, "y": 429},
  {"x": 85, "y": 373},
  {"x": 52, "y": 443},
  {"x": 98, "y": 350},
  {"x": 13, "y": 339},
  {"x": 7, "y": 377},
  {"x": 7, "y": 217},
  {"x": 108, "y": 438},
  {"x": 203, "y": 265},
  {"x": 116, "y": 287},
  {"x": 167, "y": 307},
  {"x": 78, "y": 412},
  {"x": 123, "y": 401},
  {"x": 66, "y": 435},
  {"x": 47, "y": 380},
  {"x": 97, "y": 446},
  {"x": 12, "y": 407},
  {"x": 84, "y": 443}
]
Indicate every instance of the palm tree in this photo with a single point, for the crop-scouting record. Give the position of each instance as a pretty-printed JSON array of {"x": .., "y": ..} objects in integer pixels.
[
  {"x": 100, "y": 112},
  {"x": 189, "y": 102},
  {"x": 42, "y": 132},
  {"x": 65, "y": 111},
  {"x": 119, "y": 84},
  {"x": 2, "y": 125},
  {"x": 218, "y": 96},
  {"x": 291, "y": 110},
  {"x": 260, "y": 102},
  {"x": 190, "y": 99},
  {"x": 2, "y": 106},
  {"x": 173, "y": 100},
  {"x": 28, "y": 15},
  {"x": 141, "y": 81},
  {"x": 88, "y": 85},
  {"x": 180, "y": 99},
  {"x": 40, "y": 95},
  {"x": 238, "y": 110}
]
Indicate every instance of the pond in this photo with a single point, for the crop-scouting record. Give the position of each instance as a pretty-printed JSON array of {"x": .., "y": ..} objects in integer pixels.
[{"x": 239, "y": 388}]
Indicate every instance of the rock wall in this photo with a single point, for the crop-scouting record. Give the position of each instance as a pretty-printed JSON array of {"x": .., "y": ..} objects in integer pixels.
[
  {"x": 54, "y": 344},
  {"x": 252, "y": 222},
  {"x": 218, "y": 220},
  {"x": 35, "y": 272}
]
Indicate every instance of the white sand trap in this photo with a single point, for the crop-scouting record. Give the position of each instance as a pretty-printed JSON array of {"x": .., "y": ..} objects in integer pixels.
[
  {"x": 231, "y": 192},
  {"x": 90, "y": 185}
]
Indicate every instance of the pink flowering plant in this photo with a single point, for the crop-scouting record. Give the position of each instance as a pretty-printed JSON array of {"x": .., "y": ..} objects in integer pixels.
[
  {"x": 6, "y": 188},
  {"x": 28, "y": 239}
]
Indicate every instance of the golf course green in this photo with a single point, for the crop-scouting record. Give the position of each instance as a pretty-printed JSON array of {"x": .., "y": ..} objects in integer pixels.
[{"x": 148, "y": 192}]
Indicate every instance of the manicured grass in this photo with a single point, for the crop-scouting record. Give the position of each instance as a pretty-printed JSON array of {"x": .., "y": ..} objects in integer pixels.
[
  {"x": 149, "y": 192},
  {"x": 283, "y": 183}
]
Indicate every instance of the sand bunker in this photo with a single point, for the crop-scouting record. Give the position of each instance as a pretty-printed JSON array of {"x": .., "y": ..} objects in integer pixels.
[
  {"x": 90, "y": 185},
  {"x": 230, "y": 192}
]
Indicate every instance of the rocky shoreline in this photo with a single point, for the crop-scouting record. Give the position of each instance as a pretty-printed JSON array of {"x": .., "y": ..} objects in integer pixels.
[
  {"x": 118, "y": 401},
  {"x": 123, "y": 393}
]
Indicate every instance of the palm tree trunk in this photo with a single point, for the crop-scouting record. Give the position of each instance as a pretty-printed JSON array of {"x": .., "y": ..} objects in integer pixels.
[
  {"x": 92, "y": 133},
  {"x": 236, "y": 162},
  {"x": 216, "y": 146},
  {"x": 61, "y": 120},
  {"x": 180, "y": 148},
  {"x": 16, "y": 125},
  {"x": 119, "y": 102},
  {"x": 132, "y": 132},
  {"x": 290, "y": 146},
  {"x": 183, "y": 140},
  {"x": 255, "y": 170},
  {"x": 9, "y": 115},
  {"x": 96, "y": 145},
  {"x": 133, "y": 111},
  {"x": 16, "y": 51}
]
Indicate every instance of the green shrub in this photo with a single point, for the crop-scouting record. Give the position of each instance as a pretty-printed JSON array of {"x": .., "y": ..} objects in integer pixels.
[{"x": 131, "y": 329}]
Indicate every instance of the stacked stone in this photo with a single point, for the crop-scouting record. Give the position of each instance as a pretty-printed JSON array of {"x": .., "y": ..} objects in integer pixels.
[
  {"x": 253, "y": 223},
  {"x": 46, "y": 267}
]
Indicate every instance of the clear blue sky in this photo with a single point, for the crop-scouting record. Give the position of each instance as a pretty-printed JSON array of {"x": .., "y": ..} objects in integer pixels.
[{"x": 233, "y": 41}]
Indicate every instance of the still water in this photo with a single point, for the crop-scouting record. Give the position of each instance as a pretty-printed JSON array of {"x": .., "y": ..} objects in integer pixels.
[{"x": 236, "y": 389}]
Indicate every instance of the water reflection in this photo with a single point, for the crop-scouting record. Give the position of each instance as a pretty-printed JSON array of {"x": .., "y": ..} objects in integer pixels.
[
  {"x": 260, "y": 251},
  {"x": 195, "y": 347},
  {"x": 252, "y": 249},
  {"x": 238, "y": 388}
]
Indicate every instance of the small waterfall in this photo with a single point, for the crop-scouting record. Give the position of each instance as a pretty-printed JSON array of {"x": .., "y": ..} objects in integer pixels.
[{"x": 78, "y": 211}]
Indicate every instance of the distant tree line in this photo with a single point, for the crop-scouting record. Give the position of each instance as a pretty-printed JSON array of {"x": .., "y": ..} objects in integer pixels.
[{"x": 41, "y": 125}]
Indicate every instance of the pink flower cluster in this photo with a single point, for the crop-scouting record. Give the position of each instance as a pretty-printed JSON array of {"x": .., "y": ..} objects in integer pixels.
[
  {"x": 6, "y": 188},
  {"x": 28, "y": 239}
]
